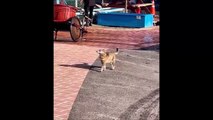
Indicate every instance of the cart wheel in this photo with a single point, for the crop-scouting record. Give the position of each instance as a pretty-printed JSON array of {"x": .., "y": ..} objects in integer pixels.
[{"x": 75, "y": 29}]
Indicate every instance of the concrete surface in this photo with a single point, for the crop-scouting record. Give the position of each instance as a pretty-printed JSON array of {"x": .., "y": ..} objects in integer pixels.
[{"x": 130, "y": 92}]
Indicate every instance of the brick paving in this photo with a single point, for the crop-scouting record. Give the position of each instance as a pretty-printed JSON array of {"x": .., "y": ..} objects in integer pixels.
[
  {"x": 111, "y": 37},
  {"x": 67, "y": 78},
  {"x": 69, "y": 57}
]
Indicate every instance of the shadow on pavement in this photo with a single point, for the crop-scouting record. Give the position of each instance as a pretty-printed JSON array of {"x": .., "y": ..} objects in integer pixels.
[{"x": 83, "y": 66}]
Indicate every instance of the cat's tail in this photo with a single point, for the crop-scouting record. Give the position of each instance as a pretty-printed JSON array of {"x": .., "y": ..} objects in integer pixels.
[{"x": 116, "y": 51}]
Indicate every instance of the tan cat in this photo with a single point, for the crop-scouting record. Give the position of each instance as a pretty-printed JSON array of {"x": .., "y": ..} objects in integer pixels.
[{"x": 107, "y": 57}]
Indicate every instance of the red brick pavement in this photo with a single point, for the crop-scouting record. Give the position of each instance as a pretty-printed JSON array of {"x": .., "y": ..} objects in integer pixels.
[
  {"x": 110, "y": 37},
  {"x": 68, "y": 79}
]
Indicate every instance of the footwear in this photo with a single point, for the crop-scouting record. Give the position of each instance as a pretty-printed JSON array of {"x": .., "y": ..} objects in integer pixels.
[
  {"x": 90, "y": 24},
  {"x": 85, "y": 31},
  {"x": 87, "y": 24}
]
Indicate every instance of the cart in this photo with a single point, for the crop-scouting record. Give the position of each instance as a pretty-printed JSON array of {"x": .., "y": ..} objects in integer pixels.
[{"x": 65, "y": 19}]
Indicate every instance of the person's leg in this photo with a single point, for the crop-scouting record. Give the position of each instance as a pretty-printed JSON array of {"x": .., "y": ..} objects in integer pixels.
[
  {"x": 91, "y": 14},
  {"x": 86, "y": 13}
]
